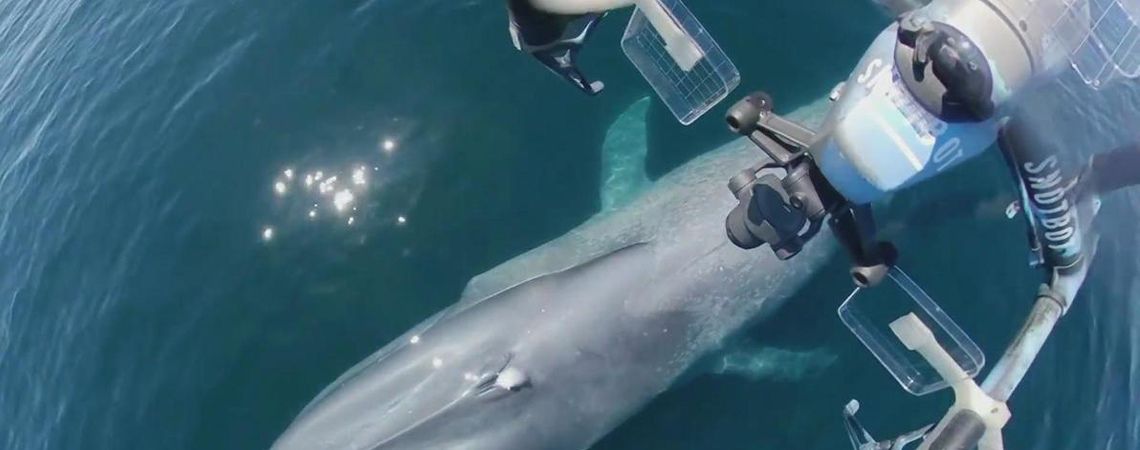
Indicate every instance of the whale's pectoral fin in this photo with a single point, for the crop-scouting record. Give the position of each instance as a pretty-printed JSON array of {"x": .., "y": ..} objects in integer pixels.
[
  {"x": 623, "y": 179},
  {"x": 623, "y": 157},
  {"x": 768, "y": 363}
]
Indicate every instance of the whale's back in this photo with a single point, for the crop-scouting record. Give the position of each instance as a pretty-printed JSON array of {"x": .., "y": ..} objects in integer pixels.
[{"x": 692, "y": 196}]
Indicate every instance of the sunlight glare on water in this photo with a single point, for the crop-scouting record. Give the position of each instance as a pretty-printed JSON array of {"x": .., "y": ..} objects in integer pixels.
[{"x": 211, "y": 210}]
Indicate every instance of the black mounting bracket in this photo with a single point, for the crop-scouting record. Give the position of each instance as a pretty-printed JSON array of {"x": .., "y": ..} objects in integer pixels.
[
  {"x": 779, "y": 203},
  {"x": 784, "y": 199}
]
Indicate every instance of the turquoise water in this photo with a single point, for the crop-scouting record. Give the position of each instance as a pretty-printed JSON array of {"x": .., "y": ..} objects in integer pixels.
[{"x": 141, "y": 306}]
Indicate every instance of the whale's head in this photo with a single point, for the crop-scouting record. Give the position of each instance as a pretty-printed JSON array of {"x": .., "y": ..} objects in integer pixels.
[
  {"x": 529, "y": 367},
  {"x": 452, "y": 383},
  {"x": 448, "y": 387}
]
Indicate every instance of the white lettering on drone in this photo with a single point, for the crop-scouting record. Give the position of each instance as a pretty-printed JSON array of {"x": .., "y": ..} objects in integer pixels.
[
  {"x": 1053, "y": 209},
  {"x": 949, "y": 152}
]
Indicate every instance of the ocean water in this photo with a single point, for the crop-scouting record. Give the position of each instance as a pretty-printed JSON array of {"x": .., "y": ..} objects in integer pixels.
[{"x": 166, "y": 284}]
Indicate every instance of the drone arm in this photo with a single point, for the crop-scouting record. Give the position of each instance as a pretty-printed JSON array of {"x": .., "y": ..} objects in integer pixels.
[{"x": 1015, "y": 363}]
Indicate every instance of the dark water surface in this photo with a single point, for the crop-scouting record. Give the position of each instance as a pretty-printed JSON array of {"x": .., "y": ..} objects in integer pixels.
[{"x": 142, "y": 305}]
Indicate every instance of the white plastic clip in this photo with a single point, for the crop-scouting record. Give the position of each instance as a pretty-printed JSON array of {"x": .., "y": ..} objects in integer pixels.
[
  {"x": 969, "y": 399},
  {"x": 678, "y": 44}
]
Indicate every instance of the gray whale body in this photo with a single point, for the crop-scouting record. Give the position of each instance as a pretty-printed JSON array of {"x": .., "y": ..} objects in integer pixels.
[{"x": 558, "y": 346}]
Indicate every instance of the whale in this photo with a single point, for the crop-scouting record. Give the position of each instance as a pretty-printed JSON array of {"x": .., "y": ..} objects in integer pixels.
[{"x": 558, "y": 346}]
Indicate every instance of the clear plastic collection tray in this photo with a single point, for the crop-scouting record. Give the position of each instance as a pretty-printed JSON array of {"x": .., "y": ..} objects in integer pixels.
[
  {"x": 679, "y": 59},
  {"x": 1100, "y": 37},
  {"x": 868, "y": 313}
]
